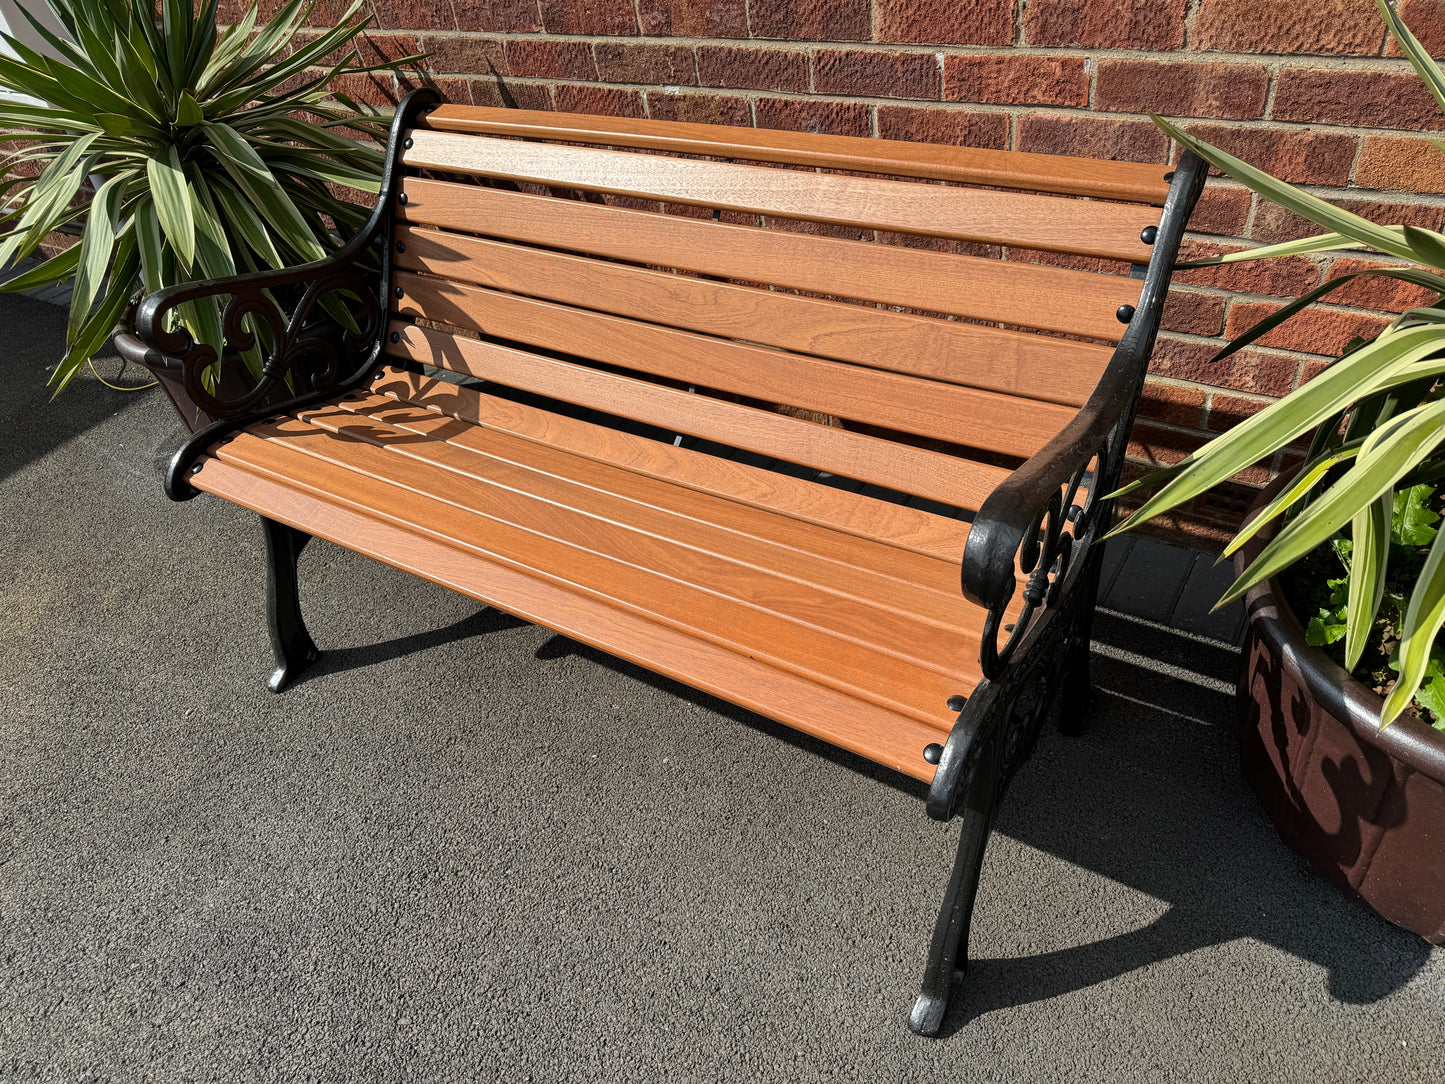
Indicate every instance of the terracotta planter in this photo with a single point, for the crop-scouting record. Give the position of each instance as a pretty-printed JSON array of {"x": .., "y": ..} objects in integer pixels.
[{"x": 1365, "y": 807}]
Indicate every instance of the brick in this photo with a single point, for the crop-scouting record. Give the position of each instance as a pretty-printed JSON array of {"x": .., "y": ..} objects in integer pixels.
[
  {"x": 1227, "y": 411},
  {"x": 1326, "y": 28},
  {"x": 752, "y": 69},
  {"x": 659, "y": 65},
  {"x": 1260, "y": 372},
  {"x": 876, "y": 74},
  {"x": 1302, "y": 157},
  {"x": 410, "y": 15},
  {"x": 699, "y": 108},
  {"x": 947, "y": 22},
  {"x": 470, "y": 55},
  {"x": 1006, "y": 79},
  {"x": 589, "y": 17},
  {"x": 813, "y": 115},
  {"x": 1272, "y": 223},
  {"x": 542, "y": 59},
  {"x": 1159, "y": 445},
  {"x": 1193, "y": 313},
  {"x": 605, "y": 101},
  {"x": 813, "y": 20},
  {"x": 516, "y": 16},
  {"x": 495, "y": 91},
  {"x": 1316, "y": 330},
  {"x": 1283, "y": 276},
  {"x": 1092, "y": 137},
  {"x": 1358, "y": 98},
  {"x": 964, "y": 128},
  {"x": 1222, "y": 209},
  {"x": 1396, "y": 164},
  {"x": 1106, "y": 24},
  {"x": 1426, "y": 20},
  {"x": 1218, "y": 91},
  {"x": 1375, "y": 291},
  {"x": 367, "y": 89},
  {"x": 1172, "y": 404},
  {"x": 694, "y": 18}
]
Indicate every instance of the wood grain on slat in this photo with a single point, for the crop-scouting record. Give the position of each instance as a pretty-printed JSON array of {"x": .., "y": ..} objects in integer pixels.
[
  {"x": 922, "y": 473},
  {"x": 1079, "y": 227},
  {"x": 838, "y": 509},
  {"x": 1000, "y": 169},
  {"x": 1013, "y": 362},
  {"x": 701, "y": 542},
  {"x": 649, "y": 580},
  {"x": 879, "y": 573},
  {"x": 893, "y": 739},
  {"x": 927, "y": 408},
  {"x": 1026, "y": 295}
]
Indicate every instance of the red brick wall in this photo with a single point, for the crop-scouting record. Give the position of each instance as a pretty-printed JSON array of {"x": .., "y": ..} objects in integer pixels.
[{"x": 1311, "y": 92}]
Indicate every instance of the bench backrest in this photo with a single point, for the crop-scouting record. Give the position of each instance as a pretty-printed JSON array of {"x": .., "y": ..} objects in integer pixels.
[{"x": 945, "y": 311}]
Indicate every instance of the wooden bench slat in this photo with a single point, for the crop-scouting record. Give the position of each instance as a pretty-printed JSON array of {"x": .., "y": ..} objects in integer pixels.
[
  {"x": 984, "y": 216},
  {"x": 890, "y": 738},
  {"x": 1007, "y": 292},
  {"x": 942, "y": 478},
  {"x": 1136, "y": 182},
  {"x": 642, "y": 573},
  {"x": 839, "y": 509},
  {"x": 1011, "y": 362},
  {"x": 878, "y": 576},
  {"x": 979, "y": 419}
]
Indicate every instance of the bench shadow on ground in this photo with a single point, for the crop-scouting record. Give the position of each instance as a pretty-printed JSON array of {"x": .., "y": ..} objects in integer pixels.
[{"x": 1151, "y": 796}]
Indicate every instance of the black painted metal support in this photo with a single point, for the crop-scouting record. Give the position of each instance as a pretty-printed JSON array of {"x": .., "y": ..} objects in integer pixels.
[
  {"x": 294, "y": 648},
  {"x": 948, "y": 951},
  {"x": 1076, "y": 695}
]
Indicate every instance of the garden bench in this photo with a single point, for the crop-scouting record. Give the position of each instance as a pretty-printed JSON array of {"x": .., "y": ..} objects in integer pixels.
[{"x": 739, "y": 406}]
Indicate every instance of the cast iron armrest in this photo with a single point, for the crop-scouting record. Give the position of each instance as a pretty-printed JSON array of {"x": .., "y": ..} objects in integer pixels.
[{"x": 311, "y": 356}]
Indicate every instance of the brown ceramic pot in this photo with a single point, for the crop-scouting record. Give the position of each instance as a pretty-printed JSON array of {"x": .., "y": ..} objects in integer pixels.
[{"x": 1364, "y": 806}]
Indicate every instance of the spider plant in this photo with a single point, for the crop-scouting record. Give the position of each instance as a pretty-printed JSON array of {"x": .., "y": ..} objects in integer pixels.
[
  {"x": 1378, "y": 417},
  {"x": 210, "y": 152}
]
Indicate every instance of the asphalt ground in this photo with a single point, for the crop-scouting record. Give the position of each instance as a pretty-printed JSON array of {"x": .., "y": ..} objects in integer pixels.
[{"x": 464, "y": 848}]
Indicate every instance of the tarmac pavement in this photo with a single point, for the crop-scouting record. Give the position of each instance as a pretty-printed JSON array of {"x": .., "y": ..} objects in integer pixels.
[{"x": 463, "y": 848}]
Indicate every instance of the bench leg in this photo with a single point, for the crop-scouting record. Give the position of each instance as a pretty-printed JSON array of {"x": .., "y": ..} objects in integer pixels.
[
  {"x": 1076, "y": 693},
  {"x": 292, "y": 644},
  {"x": 948, "y": 951}
]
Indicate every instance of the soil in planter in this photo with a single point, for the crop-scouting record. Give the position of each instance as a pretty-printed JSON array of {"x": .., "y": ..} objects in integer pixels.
[{"x": 1317, "y": 589}]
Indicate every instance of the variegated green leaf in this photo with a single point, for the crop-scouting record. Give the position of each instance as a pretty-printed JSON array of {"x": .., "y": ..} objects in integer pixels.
[
  {"x": 173, "y": 205},
  {"x": 1369, "y": 557},
  {"x": 1424, "y": 617}
]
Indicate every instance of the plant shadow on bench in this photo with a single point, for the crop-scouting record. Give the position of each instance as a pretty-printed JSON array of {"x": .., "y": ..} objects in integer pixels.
[{"x": 1151, "y": 797}]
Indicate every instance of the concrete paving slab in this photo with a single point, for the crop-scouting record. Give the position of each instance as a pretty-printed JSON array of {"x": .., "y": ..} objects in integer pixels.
[{"x": 465, "y": 849}]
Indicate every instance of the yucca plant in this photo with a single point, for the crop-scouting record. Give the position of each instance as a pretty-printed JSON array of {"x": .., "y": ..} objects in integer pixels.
[
  {"x": 209, "y": 152},
  {"x": 1377, "y": 459}
]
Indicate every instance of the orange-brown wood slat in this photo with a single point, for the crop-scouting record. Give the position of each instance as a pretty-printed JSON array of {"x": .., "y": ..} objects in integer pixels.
[
  {"x": 984, "y": 216},
  {"x": 936, "y": 477},
  {"x": 839, "y": 509},
  {"x": 1137, "y": 182},
  {"x": 893, "y": 739},
  {"x": 1008, "y": 292},
  {"x": 978, "y": 419},
  {"x": 732, "y": 542},
  {"x": 638, "y": 580},
  {"x": 994, "y": 359},
  {"x": 843, "y": 562}
]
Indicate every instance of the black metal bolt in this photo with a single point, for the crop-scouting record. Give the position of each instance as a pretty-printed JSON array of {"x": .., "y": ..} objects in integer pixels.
[
  {"x": 407, "y": 145},
  {"x": 1150, "y": 234},
  {"x": 396, "y": 338},
  {"x": 401, "y": 246},
  {"x": 933, "y": 753},
  {"x": 1125, "y": 313},
  {"x": 380, "y": 374},
  {"x": 196, "y": 469},
  {"x": 956, "y": 702},
  {"x": 401, "y": 198},
  {"x": 402, "y": 293},
  {"x": 1169, "y": 176}
]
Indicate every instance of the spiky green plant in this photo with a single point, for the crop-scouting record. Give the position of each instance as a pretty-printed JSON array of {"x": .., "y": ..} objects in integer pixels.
[
  {"x": 193, "y": 137},
  {"x": 1378, "y": 415}
]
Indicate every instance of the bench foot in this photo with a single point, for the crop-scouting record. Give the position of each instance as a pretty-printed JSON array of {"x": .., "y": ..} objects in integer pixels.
[{"x": 291, "y": 643}]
